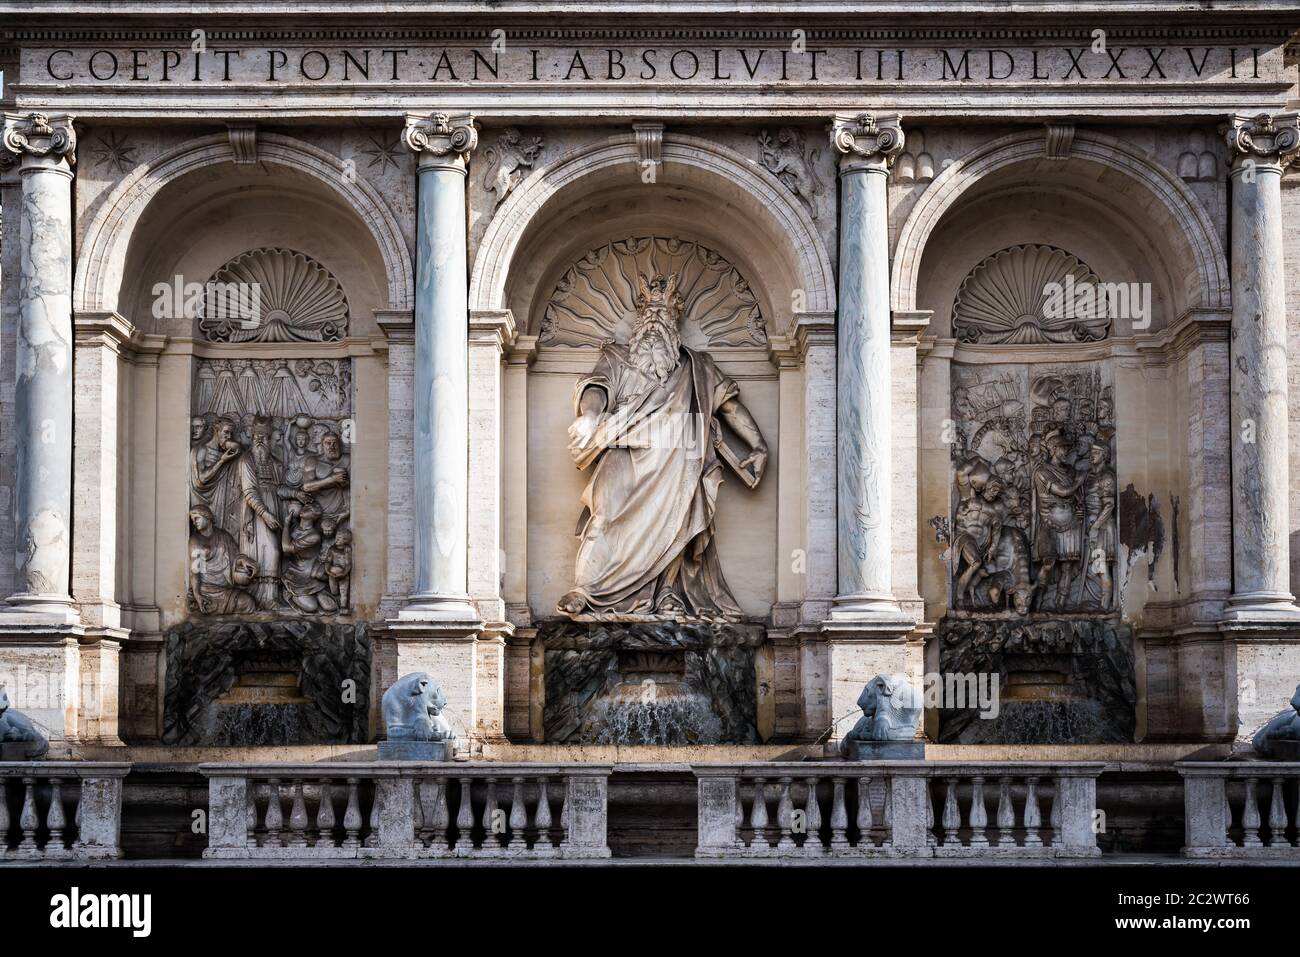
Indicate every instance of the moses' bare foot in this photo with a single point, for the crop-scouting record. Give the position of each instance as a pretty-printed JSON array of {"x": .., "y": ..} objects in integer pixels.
[{"x": 571, "y": 604}]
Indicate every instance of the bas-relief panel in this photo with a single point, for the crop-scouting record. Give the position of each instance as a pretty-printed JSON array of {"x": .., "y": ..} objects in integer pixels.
[{"x": 270, "y": 487}]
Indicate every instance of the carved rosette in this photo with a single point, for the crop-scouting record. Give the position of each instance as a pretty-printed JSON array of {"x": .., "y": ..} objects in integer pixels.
[
  {"x": 440, "y": 136},
  {"x": 867, "y": 139},
  {"x": 39, "y": 135},
  {"x": 1268, "y": 139}
]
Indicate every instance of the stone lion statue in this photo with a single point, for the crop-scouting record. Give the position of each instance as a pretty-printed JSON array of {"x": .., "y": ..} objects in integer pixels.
[
  {"x": 891, "y": 708},
  {"x": 1282, "y": 727},
  {"x": 413, "y": 709},
  {"x": 16, "y": 727}
]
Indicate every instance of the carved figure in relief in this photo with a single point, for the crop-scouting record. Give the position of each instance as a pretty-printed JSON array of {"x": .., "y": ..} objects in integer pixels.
[
  {"x": 325, "y": 476},
  {"x": 1058, "y": 541},
  {"x": 509, "y": 160},
  {"x": 1099, "y": 512},
  {"x": 212, "y": 481},
  {"x": 262, "y": 489},
  {"x": 338, "y": 565},
  {"x": 978, "y": 528},
  {"x": 305, "y": 582},
  {"x": 650, "y": 428},
  {"x": 219, "y": 574}
]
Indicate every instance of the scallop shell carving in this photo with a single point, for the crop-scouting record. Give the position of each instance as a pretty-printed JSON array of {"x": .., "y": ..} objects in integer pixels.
[
  {"x": 1002, "y": 300},
  {"x": 274, "y": 295},
  {"x": 594, "y": 301}
]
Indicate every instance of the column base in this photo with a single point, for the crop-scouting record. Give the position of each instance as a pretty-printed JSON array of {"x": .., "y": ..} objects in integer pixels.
[
  {"x": 433, "y": 607},
  {"x": 869, "y": 610},
  {"x": 56, "y": 610},
  {"x": 1262, "y": 607}
]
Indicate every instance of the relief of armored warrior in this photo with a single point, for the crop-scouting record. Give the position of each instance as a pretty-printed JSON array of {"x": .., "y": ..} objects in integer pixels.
[
  {"x": 1058, "y": 538},
  {"x": 1099, "y": 513}
]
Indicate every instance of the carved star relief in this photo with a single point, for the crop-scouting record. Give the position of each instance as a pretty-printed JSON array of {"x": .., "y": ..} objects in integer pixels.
[
  {"x": 112, "y": 150},
  {"x": 381, "y": 155}
]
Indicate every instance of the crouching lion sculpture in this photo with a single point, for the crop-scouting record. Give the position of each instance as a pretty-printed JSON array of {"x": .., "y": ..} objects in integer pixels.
[
  {"x": 413, "y": 709},
  {"x": 1282, "y": 727},
  {"x": 17, "y": 728},
  {"x": 890, "y": 707}
]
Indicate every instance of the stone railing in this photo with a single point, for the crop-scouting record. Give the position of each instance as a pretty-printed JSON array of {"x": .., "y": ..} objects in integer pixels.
[
  {"x": 1241, "y": 810},
  {"x": 70, "y": 810},
  {"x": 897, "y": 809},
  {"x": 406, "y": 811}
]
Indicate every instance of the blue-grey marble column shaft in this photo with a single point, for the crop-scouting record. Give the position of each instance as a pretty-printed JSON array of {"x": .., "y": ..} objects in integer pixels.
[
  {"x": 1258, "y": 350},
  {"x": 45, "y": 148},
  {"x": 866, "y": 146},
  {"x": 441, "y": 464}
]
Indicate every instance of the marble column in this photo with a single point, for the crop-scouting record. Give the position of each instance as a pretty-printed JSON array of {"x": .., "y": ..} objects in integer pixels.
[
  {"x": 866, "y": 146},
  {"x": 1258, "y": 349},
  {"x": 45, "y": 148},
  {"x": 441, "y": 439}
]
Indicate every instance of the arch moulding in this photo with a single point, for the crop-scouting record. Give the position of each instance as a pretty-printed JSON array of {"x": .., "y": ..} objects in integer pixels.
[
  {"x": 102, "y": 262},
  {"x": 1201, "y": 242},
  {"x": 774, "y": 210}
]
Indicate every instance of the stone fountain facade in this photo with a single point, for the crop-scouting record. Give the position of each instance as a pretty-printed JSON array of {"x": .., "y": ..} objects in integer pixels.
[{"x": 651, "y": 393}]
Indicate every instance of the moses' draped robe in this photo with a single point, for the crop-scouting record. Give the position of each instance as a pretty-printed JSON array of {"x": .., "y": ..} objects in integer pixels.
[{"x": 646, "y": 528}]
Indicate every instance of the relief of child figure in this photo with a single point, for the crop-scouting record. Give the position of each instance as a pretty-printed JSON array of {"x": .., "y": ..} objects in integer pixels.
[{"x": 338, "y": 565}]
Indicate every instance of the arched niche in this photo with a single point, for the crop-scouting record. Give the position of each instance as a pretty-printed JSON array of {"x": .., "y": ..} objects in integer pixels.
[{"x": 702, "y": 194}]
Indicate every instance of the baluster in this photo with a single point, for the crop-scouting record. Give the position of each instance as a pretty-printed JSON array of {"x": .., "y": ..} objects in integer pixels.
[
  {"x": 1277, "y": 817},
  {"x": 4, "y": 818},
  {"x": 76, "y": 820},
  {"x": 951, "y": 815},
  {"x": 1056, "y": 812},
  {"x": 28, "y": 820},
  {"x": 864, "y": 820},
  {"x": 1032, "y": 816},
  {"x": 490, "y": 839},
  {"x": 250, "y": 818},
  {"x": 55, "y": 820},
  {"x": 465, "y": 816},
  {"x": 758, "y": 815},
  {"x": 372, "y": 820},
  {"x": 564, "y": 811},
  {"x": 518, "y": 816},
  {"x": 1227, "y": 818},
  {"x": 1006, "y": 814},
  {"x": 784, "y": 815},
  {"x": 812, "y": 818},
  {"x": 274, "y": 814},
  {"x": 930, "y": 839},
  {"x": 979, "y": 814},
  {"x": 1250, "y": 816},
  {"x": 325, "y": 815},
  {"x": 298, "y": 816},
  {"x": 887, "y": 809},
  {"x": 542, "y": 817},
  {"x": 1295, "y": 820},
  {"x": 441, "y": 816},
  {"x": 839, "y": 816},
  {"x": 352, "y": 815}
]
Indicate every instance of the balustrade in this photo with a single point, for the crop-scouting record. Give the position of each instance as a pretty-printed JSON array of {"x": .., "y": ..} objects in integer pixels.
[
  {"x": 887, "y": 809},
  {"x": 43, "y": 793},
  {"x": 411, "y": 811},
  {"x": 1241, "y": 810}
]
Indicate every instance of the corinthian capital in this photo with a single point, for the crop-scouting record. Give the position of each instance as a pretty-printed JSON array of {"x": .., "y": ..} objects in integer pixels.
[
  {"x": 867, "y": 137},
  {"x": 1266, "y": 138},
  {"x": 39, "y": 135},
  {"x": 439, "y": 135}
]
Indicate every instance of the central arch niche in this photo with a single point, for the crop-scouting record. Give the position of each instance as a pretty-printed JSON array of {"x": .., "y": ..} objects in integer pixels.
[{"x": 564, "y": 254}]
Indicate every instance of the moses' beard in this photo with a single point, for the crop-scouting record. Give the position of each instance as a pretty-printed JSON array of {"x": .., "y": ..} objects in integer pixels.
[{"x": 656, "y": 344}]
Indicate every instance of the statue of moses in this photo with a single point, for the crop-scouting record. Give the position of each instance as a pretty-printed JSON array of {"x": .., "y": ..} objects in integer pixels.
[{"x": 649, "y": 429}]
